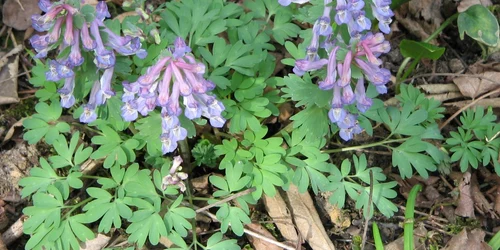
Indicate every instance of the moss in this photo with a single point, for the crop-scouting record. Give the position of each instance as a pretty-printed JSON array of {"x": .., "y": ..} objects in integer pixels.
[{"x": 22, "y": 109}]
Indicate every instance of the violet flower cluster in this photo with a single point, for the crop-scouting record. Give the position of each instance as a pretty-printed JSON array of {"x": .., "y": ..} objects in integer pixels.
[
  {"x": 182, "y": 77},
  {"x": 362, "y": 51},
  {"x": 59, "y": 18}
]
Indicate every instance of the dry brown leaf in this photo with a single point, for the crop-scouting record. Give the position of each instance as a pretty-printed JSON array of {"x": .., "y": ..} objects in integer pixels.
[
  {"x": 97, "y": 243},
  {"x": 497, "y": 199},
  {"x": 493, "y": 102},
  {"x": 429, "y": 11},
  {"x": 8, "y": 80},
  {"x": 465, "y": 206},
  {"x": 257, "y": 243},
  {"x": 307, "y": 220},
  {"x": 17, "y": 13},
  {"x": 465, "y": 4},
  {"x": 470, "y": 241},
  {"x": 278, "y": 210},
  {"x": 475, "y": 86},
  {"x": 480, "y": 202},
  {"x": 439, "y": 88}
]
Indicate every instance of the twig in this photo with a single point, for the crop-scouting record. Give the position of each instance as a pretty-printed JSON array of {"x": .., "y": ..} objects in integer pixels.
[
  {"x": 22, "y": 74},
  {"x": 427, "y": 215},
  {"x": 14, "y": 232},
  {"x": 450, "y": 74},
  {"x": 254, "y": 234},
  {"x": 497, "y": 90},
  {"x": 232, "y": 197},
  {"x": 21, "y": 5},
  {"x": 367, "y": 218}
]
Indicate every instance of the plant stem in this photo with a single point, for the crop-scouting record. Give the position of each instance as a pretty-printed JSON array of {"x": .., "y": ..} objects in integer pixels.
[
  {"x": 409, "y": 218},
  {"x": 428, "y": 39},
  {"x": 68, "y": 214},
  {"x": 380, "y": 143}
]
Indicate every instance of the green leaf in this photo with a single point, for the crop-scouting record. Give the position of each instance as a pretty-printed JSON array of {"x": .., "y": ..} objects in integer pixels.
[
  {"x": 411, "y": 154},
  {"x": 146, "y": 223},
  {"x": 480, "y": 24},
  {"x": 45, "y": 124},
  {"x": 283, "y": 28},
  {"x": 215, "y": 242},
  {"x": 312, "y": 124},
  {"x": 304, "y": 92},
  {"x": 418, "y": 50}
]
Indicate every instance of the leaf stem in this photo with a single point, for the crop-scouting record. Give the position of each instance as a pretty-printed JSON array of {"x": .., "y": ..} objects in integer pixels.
[
  {"x": 428, "y": 39},
  {"x": 79, "y": 204},
  {"x": 380, "y": 143}
]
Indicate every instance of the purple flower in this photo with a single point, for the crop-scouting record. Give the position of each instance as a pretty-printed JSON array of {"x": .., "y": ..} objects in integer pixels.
[
  {"x": 345, "y": 70},
  {"x": 68, "y": 33},
  {"x": 288, "y": 2},
  {"x": 129, "y": 111},
  {"x": 66, "y": 93},
  {"x": 168, "y": 144},
  {"x": 180, "y": 48},
  {"x": 104, "y": 58},
  {"x": 192, "y": 108},
  {"x": 88, "y": 114},
  {"x": 64, "y": 71},
  {"x": 102, "y": 11},
  {"x": 337, "y": 113},
  {"x": 39, "y": 42},
  {"x": 87, "y": 41},
  {"x": 152, "y": 73},
  {"x": 331, "y": 72},
  {"x": 347, "y": 95},
  {"x": 182, "y": 76},
  {"x": 75, "y": 56},
  {"x": 362, "y": 22},
  {"x": 304, "y": 65},
  {"x": 45, "y": 5},
  {"x": 56, "y": 30},
  {"x": 175, "y": 176},
  {"x": 105, "y": 83},
  {"x": 343, "y": 14},
  {"x": 363, "y": 103},
  {"x": 52, "y": 74}
]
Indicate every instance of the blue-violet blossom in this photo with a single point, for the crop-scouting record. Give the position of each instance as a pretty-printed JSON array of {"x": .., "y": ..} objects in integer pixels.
[
  {"x": 173, "y": 77},
  {"x": 363, "y": 52},
  {"x": 59, "y": 16}
]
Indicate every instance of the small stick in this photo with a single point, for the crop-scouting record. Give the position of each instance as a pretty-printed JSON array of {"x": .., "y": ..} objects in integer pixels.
[
  {"x": 495, "y": 91},
  {"x": 14, "y": 232},
  {"x": 232, "y": 197},
  {"x": 370, "y": 199}
]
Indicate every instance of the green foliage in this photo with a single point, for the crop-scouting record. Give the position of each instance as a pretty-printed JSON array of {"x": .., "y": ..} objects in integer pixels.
[
  {"x": 480, "y": 24},
  {"x": 342, "y": 183},
  {"x": 251, "y": 103},
  {"x": 45, "y": 124},
  {"x": 204, "y": 153},
  {"x": 419, "y": 50},
  {"x": 476, "y": 141},
  {"x": 234, "y": 181},
  {"x": 113, "y": 148}
]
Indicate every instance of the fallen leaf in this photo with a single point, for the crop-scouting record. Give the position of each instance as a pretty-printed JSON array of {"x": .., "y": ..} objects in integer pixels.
[
  {"x": 480, "y": 202},
  {"x": 97, "y": 243},
  {"x": 257, "y": 243},
  {"x": 17, "y": 13},
  {"x": 490, "y": 102},
  {"x": 8, "y": 79},
  {"x": 307, "y": 220},
  {"x": 470, "y": 241},
  {"x": 474, "y": 86},
  {"x": 465, "y": 4},
  {"x": 276, "y": 208},
  {"x": 465, "y": 207}
]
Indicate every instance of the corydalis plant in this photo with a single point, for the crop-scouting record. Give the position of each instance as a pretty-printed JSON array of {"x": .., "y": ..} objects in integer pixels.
[
  {"x": 176, "y": 74},
  {"x": 361, "y": 51},
  {"x": 60, "y": 16}
]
